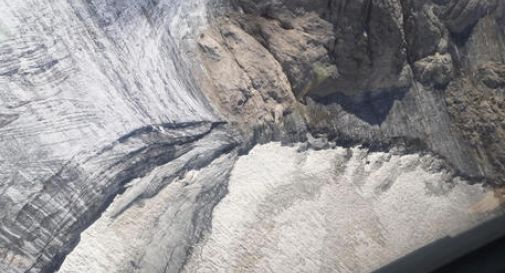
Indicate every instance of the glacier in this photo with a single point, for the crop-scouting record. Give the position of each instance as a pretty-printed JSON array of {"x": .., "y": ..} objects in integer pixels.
[{"x": 165, "y": 136}]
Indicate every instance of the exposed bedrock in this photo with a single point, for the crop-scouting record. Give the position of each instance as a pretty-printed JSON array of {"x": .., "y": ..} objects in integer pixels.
[
  {"x": 375, "y": 72},
  {"x": 121, "y": 121}
]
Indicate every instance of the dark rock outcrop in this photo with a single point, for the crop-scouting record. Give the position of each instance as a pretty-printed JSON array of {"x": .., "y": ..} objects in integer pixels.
[{"x": 385, "y": 71}]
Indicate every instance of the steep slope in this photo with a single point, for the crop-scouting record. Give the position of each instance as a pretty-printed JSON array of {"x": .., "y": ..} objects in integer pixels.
[
  {"x": 425, "y": 73},
  {"x": 337, "y": 210},
  {"x": 93, "y": 95},
  {"x": 122, "y": 120},
  {"x": 293, "y": 211}
]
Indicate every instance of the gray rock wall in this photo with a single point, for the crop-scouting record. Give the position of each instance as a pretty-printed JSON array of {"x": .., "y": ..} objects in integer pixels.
[
  {"x": 108, "y": 106},
  {"x": 381, "y": 72}
]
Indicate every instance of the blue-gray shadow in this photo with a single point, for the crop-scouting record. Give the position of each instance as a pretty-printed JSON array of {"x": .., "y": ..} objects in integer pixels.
[
  {"x": 371, "y": 107},
  {"x": 479, "y": 250}
]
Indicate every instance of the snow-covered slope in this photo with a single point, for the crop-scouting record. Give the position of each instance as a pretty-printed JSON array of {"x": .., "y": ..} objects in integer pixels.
[
  {"x": 121, "y": 121},
  {"x": 92, "y": 95},
  {"x": 339, "y": 210},
  {"x": 336, "y": 210},
  {"x": 76, "y": 75}
]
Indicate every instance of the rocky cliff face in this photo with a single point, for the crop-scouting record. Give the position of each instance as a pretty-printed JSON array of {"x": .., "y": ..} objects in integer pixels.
[
  {"x": 378, "y": 71},
  {"x": 124, "y": 118}
]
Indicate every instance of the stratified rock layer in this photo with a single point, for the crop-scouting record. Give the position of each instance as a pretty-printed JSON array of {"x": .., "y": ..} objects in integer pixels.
[
  {"x": 378, "y": 72},
  {"x": 108, "y": 105}
]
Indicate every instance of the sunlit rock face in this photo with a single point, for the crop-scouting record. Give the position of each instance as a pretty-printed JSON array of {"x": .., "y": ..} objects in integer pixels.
[
  {"x": 121, "y": 122},
  {"x": 383, "y": 71}
]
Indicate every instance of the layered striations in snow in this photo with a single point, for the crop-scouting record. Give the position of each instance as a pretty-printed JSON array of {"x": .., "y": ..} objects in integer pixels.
[
  {"x": 93, "y": 95},
  {"x": 121, "y": 121}
]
